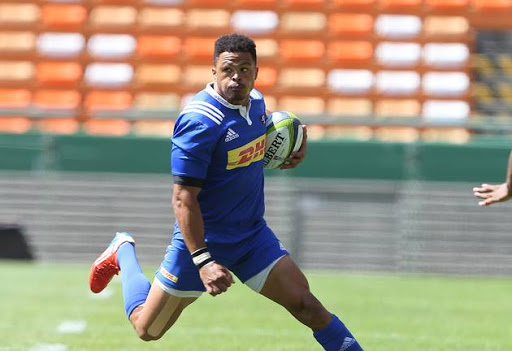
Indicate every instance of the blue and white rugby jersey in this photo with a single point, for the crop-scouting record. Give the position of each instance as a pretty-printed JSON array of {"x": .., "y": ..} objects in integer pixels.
[{"x": 223, "y": 144}]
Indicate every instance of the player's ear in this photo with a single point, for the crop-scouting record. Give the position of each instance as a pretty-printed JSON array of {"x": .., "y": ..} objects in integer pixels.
[
  {"x": 214, "y": 73},
  {"x": 256, "y": 73}
]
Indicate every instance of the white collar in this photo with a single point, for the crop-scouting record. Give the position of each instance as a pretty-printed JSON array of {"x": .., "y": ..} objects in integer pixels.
[{"x": 243, "y": 110}]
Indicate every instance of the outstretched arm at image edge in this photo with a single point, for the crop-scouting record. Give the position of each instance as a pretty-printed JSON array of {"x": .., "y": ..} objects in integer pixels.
[{"x": 492, "y": 193}]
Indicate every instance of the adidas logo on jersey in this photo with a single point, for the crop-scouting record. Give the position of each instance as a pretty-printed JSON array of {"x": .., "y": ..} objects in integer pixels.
[
  {"x": 347, "y": 342},
  {"x": 231, "y": 135}
]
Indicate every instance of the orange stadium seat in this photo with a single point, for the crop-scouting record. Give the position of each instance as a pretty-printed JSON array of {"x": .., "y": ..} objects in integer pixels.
[
  {"x": 450, "y": 135},
  {"x": 58, "y": 72},
  {"x": 57, "y": 15},
  {"x": 208, "y": 3},
  {"x": 491, "y": 5},
  {"x": 20, "y": 14},
  {"x": 158, "y": 46},
  {"x": 267, "y": 77},
  {"x": 356, "y": 5},
  {"x": 160, "y": 18},
  {"x": 114, "y": 127},
  {"x": 16, "y": 125},
  {"x": 298, "y": 51},
  {"x": 349, "y": 107},
  {"x": 351, "y": 24},
  {"x": 397, "y": 108},
  {"x": 349, "y": 52},
  {"x": 303, "y": 4},
  {"x": 57, "y": 99},
  {"x": 256, "y": 4},
  {"x": 112, "y": 16},
  {"x": 310, "y": 78},
  {"x": 447, "y": 5},
  {"x": 147, "y": 100},
  {"x": 17, "y": 43},
  {"x": 208, "y": 20},
  {"x": 197, "y": 76},
  {"x": 16, "y": 71},
  {"x": 157, "y": 74},
  {"x": 310, "y": 23},
  {"x": 108, "y": 100},
  {"x": 153, "y": 128},
  {"x": 445, "y": 26},
  {"x": 199, "y": 48},
  {"x": 399, "y": 6},
  {"x": 15, "y": 98},
  {"x": 271, "y": 102},
  {"x": 58, "y": 125},
  {"x": 268, "y": 48},
  {"x": 305, "y": 104}
]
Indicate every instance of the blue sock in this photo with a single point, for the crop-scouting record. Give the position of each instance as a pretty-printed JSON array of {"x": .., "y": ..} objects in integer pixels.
[
  {"x": 336, "y": 337},
  {"x": 135, "y": 284}
]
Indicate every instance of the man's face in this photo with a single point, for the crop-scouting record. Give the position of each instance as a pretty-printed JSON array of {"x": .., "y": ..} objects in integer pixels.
[{"x": 235, "y": 73}]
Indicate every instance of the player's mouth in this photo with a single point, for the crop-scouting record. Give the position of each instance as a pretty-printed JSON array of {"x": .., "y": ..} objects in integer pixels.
[{"x": 237, "y": 87}]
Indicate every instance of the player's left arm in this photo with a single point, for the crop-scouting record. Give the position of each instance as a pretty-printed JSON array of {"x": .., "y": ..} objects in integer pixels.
[{"x": 297, "y": 156}]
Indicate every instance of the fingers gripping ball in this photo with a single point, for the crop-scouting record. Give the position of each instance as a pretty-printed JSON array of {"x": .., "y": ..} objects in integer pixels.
[{"x": 284, "y": 136}]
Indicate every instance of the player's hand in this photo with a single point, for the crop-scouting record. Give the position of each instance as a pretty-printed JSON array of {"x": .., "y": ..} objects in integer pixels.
[
  {"x": 297, "y": 157},
  {"x": 216, "y": 278},
  {"x": 492, "y": 193}
]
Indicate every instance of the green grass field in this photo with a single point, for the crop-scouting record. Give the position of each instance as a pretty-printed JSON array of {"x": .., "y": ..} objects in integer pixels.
[{"x": 385, "y": 312}]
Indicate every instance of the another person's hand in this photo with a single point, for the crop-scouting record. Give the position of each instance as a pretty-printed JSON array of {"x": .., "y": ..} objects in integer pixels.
[
  {"x": 297, "y": 157},
  {"x": 216, "y": 278},
  {"x": 492, "y": 193}
]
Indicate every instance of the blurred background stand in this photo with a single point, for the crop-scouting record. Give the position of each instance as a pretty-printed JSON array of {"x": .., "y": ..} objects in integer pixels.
[{"x": 13, "y": 244}]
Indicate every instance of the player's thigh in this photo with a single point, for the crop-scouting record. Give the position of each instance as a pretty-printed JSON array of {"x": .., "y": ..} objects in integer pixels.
[
  {"x": 159, "y": 312},
  {"x": 286, "y": 284},
  {"x": 176, "y": 285}
]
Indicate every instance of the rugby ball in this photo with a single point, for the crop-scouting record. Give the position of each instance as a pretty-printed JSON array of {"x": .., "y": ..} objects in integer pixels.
[{"x": 284, "y": 136}]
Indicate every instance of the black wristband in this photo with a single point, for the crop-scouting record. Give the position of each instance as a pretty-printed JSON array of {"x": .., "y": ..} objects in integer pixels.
[{"x": 202, "y": 257}]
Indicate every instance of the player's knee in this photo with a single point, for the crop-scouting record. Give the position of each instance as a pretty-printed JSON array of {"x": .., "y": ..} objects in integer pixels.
[
  {"x": 309, "y": 310},
  {"x": 144, "y": 334}
]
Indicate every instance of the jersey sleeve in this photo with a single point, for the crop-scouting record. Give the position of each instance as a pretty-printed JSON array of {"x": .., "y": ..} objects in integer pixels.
[{"x": 193, "y": 144}]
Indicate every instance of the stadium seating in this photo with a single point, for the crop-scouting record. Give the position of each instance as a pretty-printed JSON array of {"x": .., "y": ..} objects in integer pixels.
[{"x": 138, "y": 61}]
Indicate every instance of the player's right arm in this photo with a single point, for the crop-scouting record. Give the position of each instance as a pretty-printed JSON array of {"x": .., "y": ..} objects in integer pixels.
[
  {"x": 216, "y": 278},
  {"x": 492, "y": 193},
  {"x": 194, "y": 141}
]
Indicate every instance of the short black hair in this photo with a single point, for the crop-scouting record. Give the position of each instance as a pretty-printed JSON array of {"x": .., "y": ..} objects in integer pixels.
[{"x": 234, "y": 43}]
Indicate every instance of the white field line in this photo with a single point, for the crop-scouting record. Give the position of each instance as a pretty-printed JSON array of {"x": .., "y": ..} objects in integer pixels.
[
  {"x": 49, "y": 347},
  {"x": 72, "y": 327},
  {"x": 105, "y": 294}
]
